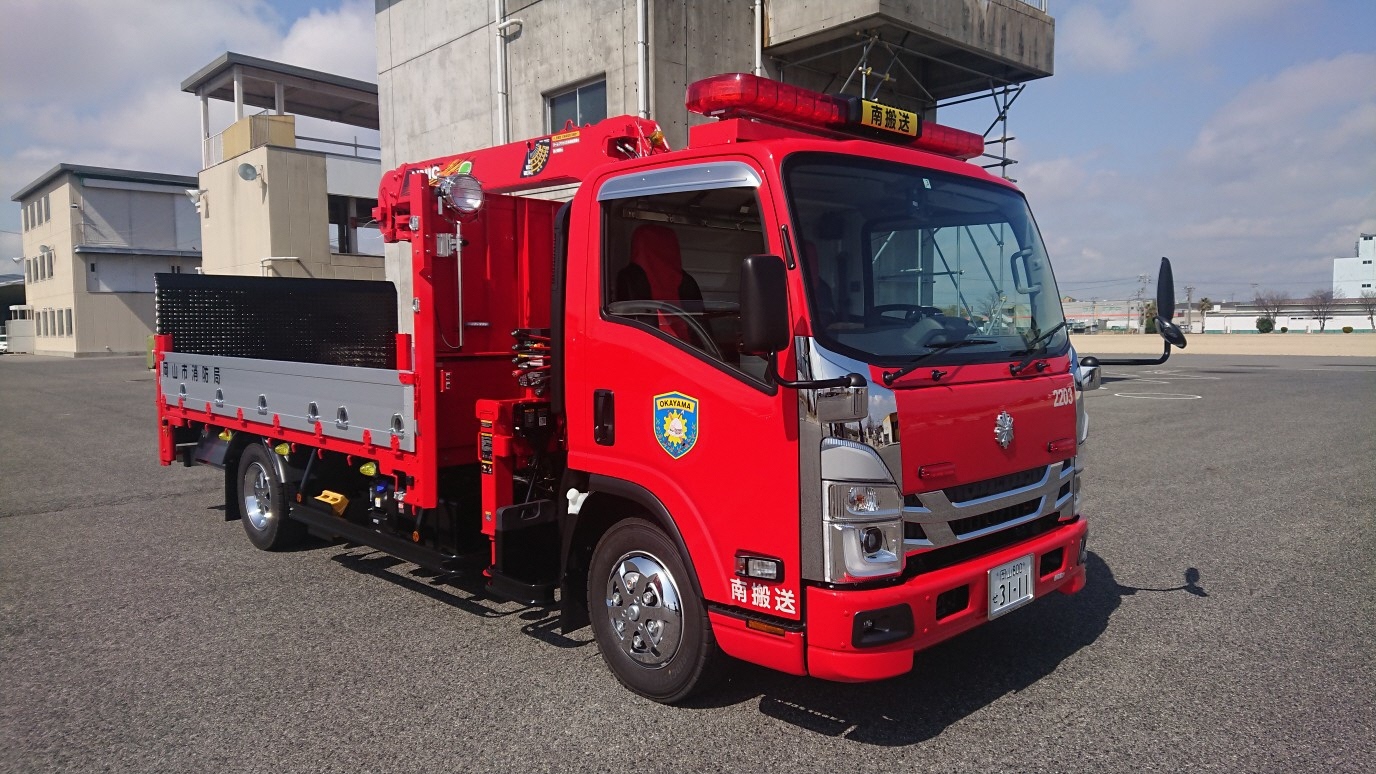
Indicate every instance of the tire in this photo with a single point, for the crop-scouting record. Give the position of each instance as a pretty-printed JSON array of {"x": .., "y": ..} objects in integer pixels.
[
  {"x": 650, "y": 627},
  {"x": 262, "y": 503}
]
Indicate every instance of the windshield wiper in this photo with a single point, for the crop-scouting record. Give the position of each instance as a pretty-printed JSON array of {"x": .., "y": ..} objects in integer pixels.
[
  {"x": 1030, "y": 348},
  {"x": 891, "y": 376}
]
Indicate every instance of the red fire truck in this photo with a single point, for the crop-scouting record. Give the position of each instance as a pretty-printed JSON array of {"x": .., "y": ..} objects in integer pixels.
[{"x": 800, "y": 393}]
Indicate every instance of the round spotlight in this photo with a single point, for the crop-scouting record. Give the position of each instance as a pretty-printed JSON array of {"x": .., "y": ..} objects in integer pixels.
[{"x": 463, "y": 192}]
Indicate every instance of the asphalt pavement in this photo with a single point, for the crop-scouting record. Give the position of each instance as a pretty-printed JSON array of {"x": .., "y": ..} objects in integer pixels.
[{"x": 1227, "y": 625}]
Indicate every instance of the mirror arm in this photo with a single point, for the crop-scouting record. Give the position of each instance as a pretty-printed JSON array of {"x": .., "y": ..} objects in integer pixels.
[
  {"x": 1165, "y": 355},
  {"x": 849, "y": 380}
]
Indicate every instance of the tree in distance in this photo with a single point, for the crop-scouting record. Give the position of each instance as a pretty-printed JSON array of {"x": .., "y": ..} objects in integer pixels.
[
  {"x": 1321, "y": 304},
  {"x": 1367, "y": 302}
]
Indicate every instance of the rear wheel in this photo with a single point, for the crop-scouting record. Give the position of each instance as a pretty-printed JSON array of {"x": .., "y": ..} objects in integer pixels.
[
  {"x": 262, "y": 503},
  {"x": 651, "y": 628}
]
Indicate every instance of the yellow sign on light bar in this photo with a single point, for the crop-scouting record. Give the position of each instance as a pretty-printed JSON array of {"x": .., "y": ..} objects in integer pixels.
[{"x": 888, "y": 119}]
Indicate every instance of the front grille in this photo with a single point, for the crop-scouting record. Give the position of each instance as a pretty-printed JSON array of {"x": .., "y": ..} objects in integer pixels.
[
  {"x": 939, "y": 558},
  {"x": 913, "y": 531},
  {"x": 994, "y": 486},
  {"x": 994, "y": 518}
]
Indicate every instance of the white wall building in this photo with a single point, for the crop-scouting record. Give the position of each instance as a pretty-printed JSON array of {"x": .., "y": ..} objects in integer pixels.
[{"x": 1357, "y": 275}]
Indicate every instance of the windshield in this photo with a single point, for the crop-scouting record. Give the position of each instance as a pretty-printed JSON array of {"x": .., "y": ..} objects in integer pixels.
[{"x": 902, "y": 261}]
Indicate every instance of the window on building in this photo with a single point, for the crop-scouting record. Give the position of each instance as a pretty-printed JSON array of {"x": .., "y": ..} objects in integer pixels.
[
  {"x": 25, "y": 212},
  {"x": 61, "y": 321},
  {"x": 1365, "y": 263},
  {"x": 47, "y": 209},
  {"x": 352, "y": 229},
  {"x": 28, "y": 271},
  {"x": 584, "y": 104},
  {"x": 51, "y": 263},
  {"x": 175, "y": 269},
  {"x": 70, "y": 330},
  {"x": 671, "y": 266},
  {"x": 1366, "y": 284}
]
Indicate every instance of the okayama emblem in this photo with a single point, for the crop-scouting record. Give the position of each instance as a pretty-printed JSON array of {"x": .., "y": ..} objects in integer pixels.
[
  {"x": 676, "y": 422},
  {"x": 1003, "y": 429}
]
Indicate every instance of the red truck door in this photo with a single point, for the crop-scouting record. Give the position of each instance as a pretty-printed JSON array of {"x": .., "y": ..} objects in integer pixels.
[{"x": 658, "y": 393}]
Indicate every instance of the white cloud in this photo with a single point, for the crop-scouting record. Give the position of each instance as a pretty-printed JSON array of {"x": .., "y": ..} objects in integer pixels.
[
  {"x": 1181, "y": 26},
  {"x": 342, "y": 42},
  {"x": 1089, "y": 38},
  {"x": 1279, "y": 180},
  {"x": 108, "y": 93}
]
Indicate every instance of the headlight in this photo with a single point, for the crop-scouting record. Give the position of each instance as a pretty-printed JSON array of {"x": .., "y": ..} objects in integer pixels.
[{"x": 863, "y": 531}]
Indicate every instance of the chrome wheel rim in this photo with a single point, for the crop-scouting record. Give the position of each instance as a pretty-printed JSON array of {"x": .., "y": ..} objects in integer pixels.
[
  {"x": 257, "y": 493},
  {"x": 644, "y": 609}
]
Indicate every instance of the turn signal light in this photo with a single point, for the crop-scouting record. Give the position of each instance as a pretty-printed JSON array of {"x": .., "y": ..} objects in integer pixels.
[
  {"x": 368, "y": 468},
  {"x": 760, "y": 567}
]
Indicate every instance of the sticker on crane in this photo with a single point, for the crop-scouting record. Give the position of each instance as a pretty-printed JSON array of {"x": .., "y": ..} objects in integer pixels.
[
  {"x": 558, "y": 141},
  {"x": 676, "y": 423},
  {"x": 434, "y": 172},
  {"x": 536, "y": 158}
]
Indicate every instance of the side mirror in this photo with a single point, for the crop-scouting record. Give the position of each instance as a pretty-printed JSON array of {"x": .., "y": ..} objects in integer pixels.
[
  {"x": 764, "y": 305},
  {"x": 1088, "y": 374},
  {"x": 1165, "y": 307}
]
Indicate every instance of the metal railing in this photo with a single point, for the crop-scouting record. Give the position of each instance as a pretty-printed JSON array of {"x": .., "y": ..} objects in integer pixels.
[{"x": 213, "y": 147}]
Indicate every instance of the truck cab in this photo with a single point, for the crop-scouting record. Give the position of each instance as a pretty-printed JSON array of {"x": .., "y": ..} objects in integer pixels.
[{"x": 830, "y": 527}]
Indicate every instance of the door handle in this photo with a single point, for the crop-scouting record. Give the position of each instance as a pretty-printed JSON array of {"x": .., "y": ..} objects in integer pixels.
[{"x": 603, "y": 417}]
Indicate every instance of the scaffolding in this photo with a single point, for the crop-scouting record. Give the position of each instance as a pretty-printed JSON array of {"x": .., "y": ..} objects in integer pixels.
[{"x": 880, "y": 71}]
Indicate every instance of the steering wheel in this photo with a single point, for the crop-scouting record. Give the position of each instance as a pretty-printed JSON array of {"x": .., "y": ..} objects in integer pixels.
[
  {"x": 911, "y": 312},
  {"x": 640, "y": 305}
]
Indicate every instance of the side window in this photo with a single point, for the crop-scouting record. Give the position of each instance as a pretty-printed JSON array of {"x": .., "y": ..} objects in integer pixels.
[{"x": 671, "y": 265}]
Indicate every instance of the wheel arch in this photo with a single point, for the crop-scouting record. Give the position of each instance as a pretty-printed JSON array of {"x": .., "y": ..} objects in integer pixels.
[
  {"x": 609, "y": 501},
  {"x": 237, "y": 444}
]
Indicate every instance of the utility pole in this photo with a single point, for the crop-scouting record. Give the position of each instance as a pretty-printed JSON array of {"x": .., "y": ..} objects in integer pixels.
[
  {"x": 1142, "y": 281},
  {"x": 1189, "y": 307}
]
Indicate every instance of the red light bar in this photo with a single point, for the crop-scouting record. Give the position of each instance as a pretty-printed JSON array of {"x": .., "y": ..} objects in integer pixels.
[
  {"x": 740, "y": 94},
  {"x": 955, "y": 143}
]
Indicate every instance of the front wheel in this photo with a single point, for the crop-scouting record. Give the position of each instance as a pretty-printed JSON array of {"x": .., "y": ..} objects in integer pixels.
[
  {"x": 651, "y": 629},
  {"x": 262, "y": 503}
]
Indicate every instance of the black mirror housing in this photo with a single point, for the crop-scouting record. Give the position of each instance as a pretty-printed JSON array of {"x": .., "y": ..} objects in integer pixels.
[
  {"x": 764, "y": 305},
  {"x": 1165, "y": 307}
]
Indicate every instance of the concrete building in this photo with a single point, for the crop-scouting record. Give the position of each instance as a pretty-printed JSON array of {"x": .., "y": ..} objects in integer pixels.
[
  {"x": 1356, "y": 275},
  {"x": 456, "y": 76},
  {"x": 92, "y": 239},
  {"x": 273, "y": 202}
]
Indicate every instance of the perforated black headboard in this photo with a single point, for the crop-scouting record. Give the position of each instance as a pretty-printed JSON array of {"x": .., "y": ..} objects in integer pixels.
[{"x": 337, "y": 322}]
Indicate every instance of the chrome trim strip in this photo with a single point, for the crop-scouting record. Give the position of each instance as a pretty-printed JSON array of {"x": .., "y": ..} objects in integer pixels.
[
  {"x": 937, "y": 512},
  {"x": 695, "y": 177}
]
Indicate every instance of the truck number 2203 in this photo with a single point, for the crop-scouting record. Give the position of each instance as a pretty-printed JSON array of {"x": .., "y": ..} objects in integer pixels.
[{"x": 1062, "y": 396}]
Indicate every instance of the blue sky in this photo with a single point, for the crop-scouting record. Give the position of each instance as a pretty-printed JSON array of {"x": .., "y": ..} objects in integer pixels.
[{"x": 1237, "y": 137}]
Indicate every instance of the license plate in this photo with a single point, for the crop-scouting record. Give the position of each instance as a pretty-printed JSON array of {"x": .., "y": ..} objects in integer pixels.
[{"x": 1010, "y": 586}]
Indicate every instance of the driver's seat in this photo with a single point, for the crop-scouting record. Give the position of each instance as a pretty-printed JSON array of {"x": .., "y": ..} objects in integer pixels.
[{"x": 656, "y": 273}]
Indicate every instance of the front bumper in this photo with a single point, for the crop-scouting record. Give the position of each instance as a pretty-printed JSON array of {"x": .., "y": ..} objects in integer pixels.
[{"x": 832, "y": 613}]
